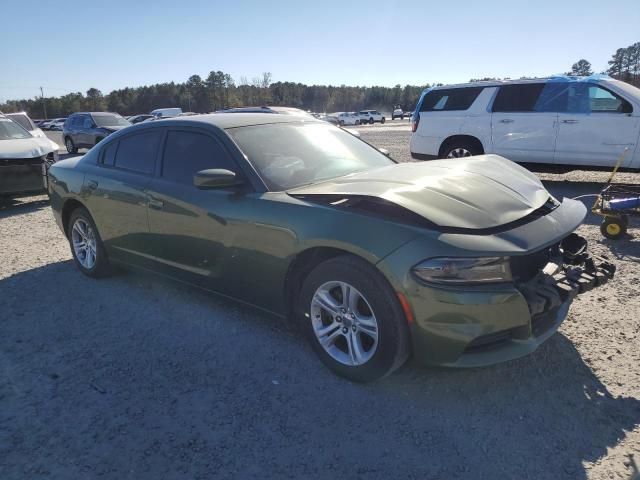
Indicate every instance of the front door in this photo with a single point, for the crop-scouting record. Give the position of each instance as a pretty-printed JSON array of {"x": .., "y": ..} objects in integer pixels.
[
  {"x": 596, "y": 127},
  {"x": 192, "y": 228}
]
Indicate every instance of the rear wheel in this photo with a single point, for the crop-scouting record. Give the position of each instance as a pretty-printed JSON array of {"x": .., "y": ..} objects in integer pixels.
[
  {"x": 87, "y": 248},
  {"x": 353, "y": 319},
  {"x": 371, "y": 121},
  {"x": 341, "y": 123},
  {"x": 614, "y": 228},
  {"x": 460, "y": 149},
  {"x": 71, "y": 148},
  {"x": 383, "y": 120}
]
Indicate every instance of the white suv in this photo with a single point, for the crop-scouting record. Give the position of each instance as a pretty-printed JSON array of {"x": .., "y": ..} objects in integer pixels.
[
  {"x": 563, "y": 120},
  {"x": 371, "y": 116}
]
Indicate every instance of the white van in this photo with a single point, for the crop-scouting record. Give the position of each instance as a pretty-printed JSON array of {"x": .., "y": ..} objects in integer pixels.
[
  {"x": 564, "y": 120},
  {"x": 166, "y": 112}
]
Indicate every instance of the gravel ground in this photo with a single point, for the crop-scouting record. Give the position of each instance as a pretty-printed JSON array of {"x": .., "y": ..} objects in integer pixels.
[{"x": 134, "y": 377}]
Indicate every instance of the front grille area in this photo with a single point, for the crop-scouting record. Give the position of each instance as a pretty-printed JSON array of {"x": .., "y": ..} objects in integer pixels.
[
  {"x": 525, "y": 267},
  {"x": 489, "y": 341},
  {"x": 10, "y": 162}
]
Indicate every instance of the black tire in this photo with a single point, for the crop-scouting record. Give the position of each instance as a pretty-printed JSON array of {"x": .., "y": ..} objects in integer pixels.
[
  {"x": 401, "y": 117},
  {"x": 370, "y": 121},
  {"x": 383, "y": 120},
  {"x": 468, "y": 146},
  {"x": 101, "y": 267},
  {"x": 625, "y": 220},
  {"x": 341, "y": 123},
  {"x": 392, "y": 118},
  {"x": 614, "y": 228},
  {"x": 393, "y": 345},
  {"x": 71, "y": 147}
]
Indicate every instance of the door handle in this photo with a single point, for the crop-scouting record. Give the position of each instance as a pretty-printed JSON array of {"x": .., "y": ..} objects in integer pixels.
[
  {"x": 506, "y": 120},
  {"x": 92, "y": 184},
  {"x": 156, "y": 204},
  {"x": 570, "y": 121}
]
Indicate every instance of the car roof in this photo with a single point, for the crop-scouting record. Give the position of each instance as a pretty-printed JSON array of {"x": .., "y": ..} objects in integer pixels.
[
  {"x": 520, "y": 81},
  {"x": 234, "y": 120},
  {"x": 94, "y": 113}
]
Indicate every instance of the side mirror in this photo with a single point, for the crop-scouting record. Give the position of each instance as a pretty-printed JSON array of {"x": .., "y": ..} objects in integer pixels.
[
  {"x": 384, "y": 151},
  {"x": 215, "y": 178}
]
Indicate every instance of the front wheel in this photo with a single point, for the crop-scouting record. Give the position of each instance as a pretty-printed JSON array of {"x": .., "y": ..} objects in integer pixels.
[
  {"x": 87, "y": 248},
  {"x": 353, "y": 319},
  {"x": 383, "y": 120}
]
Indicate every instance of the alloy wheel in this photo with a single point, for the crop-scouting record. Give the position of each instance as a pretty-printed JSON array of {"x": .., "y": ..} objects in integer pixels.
[
  {"x": 459, "y": 153},
  {"x": 344, "y": 323},
  {"x": 83, "y": 240}
]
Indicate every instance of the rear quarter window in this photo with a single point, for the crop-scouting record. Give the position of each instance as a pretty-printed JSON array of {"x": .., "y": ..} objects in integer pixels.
[{"x": 450, "y": 99}]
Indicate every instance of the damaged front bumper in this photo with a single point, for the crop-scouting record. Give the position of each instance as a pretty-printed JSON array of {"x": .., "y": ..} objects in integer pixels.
[
  {"x": 549, "y": 294},
  {"x": 483, "y": 325}
]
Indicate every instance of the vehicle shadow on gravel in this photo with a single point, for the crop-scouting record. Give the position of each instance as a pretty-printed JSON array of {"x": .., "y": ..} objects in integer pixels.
[
  {"x": 14, "y": 206},
  {"x": 138, "y": 377}
]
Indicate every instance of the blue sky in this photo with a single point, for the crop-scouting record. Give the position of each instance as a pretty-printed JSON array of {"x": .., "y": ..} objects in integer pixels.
[{"x": 117, "y": 43}]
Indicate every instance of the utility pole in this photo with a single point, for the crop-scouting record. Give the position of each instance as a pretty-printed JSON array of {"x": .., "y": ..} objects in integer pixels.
[{"x": 44, "y": 105}]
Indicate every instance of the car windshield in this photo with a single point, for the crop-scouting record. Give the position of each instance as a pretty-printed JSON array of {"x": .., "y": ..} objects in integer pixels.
[
  {"x": 110, "y": 121},
  {"x": 288, "y": 155},
  {"x": 23, "y": 120},
  {"x": 10, "y": 130}
]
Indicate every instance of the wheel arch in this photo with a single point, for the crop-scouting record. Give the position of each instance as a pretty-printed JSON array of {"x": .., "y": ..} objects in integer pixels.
[
  {"x": 452, "y": 139},
  {"x": 302, "y": 264},
  {"x": 68, "y": 208}
]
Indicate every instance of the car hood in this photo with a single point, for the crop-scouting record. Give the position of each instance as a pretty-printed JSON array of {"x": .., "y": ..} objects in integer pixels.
[
  {"x": 480, "y": 192},
  {"x": 26, "y": 147},
  {"x": 114, "y": 128}
]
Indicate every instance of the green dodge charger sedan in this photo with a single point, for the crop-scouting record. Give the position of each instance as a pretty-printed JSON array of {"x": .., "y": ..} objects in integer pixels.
[{"x": 463, "y": 263}]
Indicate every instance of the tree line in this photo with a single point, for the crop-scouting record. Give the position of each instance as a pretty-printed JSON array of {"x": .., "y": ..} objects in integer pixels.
[{"x": 219, "y": 90}]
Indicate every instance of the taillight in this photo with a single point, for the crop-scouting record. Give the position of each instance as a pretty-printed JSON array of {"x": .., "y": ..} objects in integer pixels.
[{"x": 414, "y": 124}]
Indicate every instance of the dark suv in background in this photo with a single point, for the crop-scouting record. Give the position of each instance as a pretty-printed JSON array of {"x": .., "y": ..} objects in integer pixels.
[{"x": 86, "y": 129}]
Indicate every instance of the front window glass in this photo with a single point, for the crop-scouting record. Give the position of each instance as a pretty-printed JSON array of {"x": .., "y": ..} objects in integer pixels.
[
  {"x": 601, "y": 100},
  {"x": 186, "y": 153},
  {"x": 10, "y": 130},
  {"x": 288, "y": 155},
  {"x": 110, "y": 121}
]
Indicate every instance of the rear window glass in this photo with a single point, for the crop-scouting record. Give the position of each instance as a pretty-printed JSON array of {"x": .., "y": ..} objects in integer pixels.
[
  {"x": 109, "y": 155},
  {"x": 23, "y": 120},
  {"x": 518, "y": 98},
  {"x": 138, "y": 152},
  {"x": 450, "y": 99}
]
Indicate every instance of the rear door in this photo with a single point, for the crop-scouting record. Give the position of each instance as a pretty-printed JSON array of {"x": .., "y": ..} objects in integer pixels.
[
  {"x": 596, "y": 126},
  {"x": 116, "y": 195},
  {"x": 523, "y": 128}
]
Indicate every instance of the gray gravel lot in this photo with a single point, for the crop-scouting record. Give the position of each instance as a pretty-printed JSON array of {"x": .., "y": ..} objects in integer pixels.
[{"x": 135, "y": 377}]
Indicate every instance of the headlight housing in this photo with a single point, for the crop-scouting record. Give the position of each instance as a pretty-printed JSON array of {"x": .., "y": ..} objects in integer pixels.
[{"x": 460, "y": 271}]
